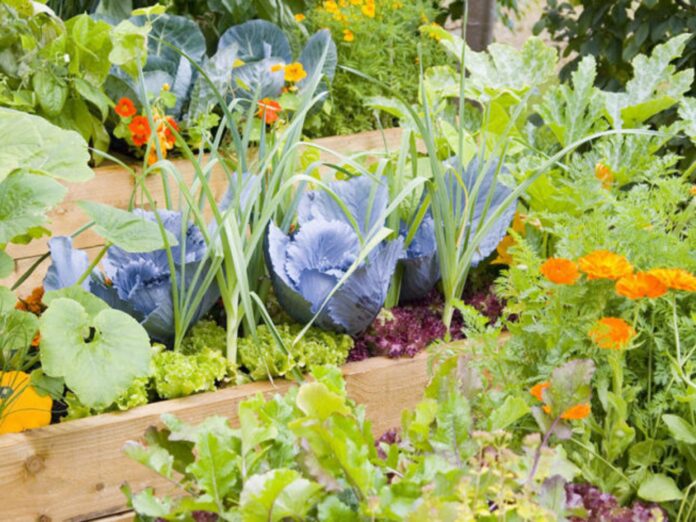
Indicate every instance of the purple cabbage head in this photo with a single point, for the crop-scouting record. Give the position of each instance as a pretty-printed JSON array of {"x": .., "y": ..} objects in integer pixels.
[
  {"x": 307, "y": 265},
  {"x": 140, "y": 284}
]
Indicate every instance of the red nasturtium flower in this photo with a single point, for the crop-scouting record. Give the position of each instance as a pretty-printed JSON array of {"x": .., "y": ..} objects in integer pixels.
[
  {"x": 560, "y": 271},
  {"x": 612, "y": 333},
  {"x": 140, "y": 130},
  {"x": 640, "y": 285},
  {"x": 675, "y": 278},
  {"x": 125, "y": 108},
  {"x": 268, "y": 110},
  {"x": 602, "y": 264}
]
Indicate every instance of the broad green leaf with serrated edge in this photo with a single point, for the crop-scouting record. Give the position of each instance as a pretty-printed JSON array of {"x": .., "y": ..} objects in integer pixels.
[
  {"x": 513, "y": 409},
  {"x": 277, "y": 495},
  {"x": 99, "y": 355},
  {"x": 680, "y": 429},
  {"x": 659, "y": 488},
  {"x": 24, "y": 200},
  {"x": 126, "y": 230},
  {"x": 216, "y": 466},
  {"x": 31, "y": 143}
]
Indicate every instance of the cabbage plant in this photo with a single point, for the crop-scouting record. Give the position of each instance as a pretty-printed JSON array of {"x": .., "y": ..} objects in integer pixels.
[
  {"x": 249, "y": 64},
  {"x": 310, "y": 269},
  {"x": 141, "y": 283}
]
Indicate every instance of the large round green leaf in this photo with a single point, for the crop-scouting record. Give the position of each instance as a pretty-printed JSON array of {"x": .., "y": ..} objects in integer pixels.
[
  {"x": 99, "y": 356},
  {"x": 24, "y": 200},
  {"x": 31, "y": 143}
]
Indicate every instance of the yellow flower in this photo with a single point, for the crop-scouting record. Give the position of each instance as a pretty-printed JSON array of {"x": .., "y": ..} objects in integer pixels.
[
  {"x": 21, "y": 406},
  {"x": 295, "y": 72},
  {"x": 276, "y": 67},
  {"x": 348, "y": 35},
  {"x": 166, "y": 87},
  {"x": 331, "y": 6},
  {"x": 237, "y": 63},
  {"x": 300, "y": 17},
  {"x": 368, "y": 10}
]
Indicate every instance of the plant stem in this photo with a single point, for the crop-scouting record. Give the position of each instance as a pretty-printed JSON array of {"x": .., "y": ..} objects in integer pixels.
[
  {"x": 94, "y": 263},
  {"x": 537, "y": 453}
]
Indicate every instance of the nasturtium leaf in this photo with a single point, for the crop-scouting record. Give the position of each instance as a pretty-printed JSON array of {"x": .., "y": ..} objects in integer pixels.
[
  {"x": 31, "y": 143},
  {"x": 680, "y": 429},
  {"x": 659, "y": 488},
  {"x": 6, "y": 264},
  {"x": 126, "y": 230},
  {"x": 99, "y": 355},
  {"x": 316, "y": 400},
  {"x": 276, "y": 495},
  {"x": 24, "y": 200}
]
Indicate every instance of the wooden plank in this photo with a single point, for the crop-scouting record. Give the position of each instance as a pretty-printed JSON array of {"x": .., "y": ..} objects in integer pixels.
[
  {"x": 113, "y": 186},
  {"x": 73, "y": 471}
]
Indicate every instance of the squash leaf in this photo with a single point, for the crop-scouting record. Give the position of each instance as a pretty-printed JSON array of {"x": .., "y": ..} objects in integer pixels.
[
  {"x": 126, "y": 230},
  {"x": 98, "y": 354}
]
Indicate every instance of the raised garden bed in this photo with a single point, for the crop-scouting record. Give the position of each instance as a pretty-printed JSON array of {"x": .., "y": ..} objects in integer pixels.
[{"x": 74, "y": 471}]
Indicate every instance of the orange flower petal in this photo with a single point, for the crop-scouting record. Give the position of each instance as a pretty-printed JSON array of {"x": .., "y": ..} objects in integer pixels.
[
  {"x": 612, "y": 333},
  {"x": 640, "y": 285},
  {"x": 560, "y": 271},
  {"x": 602, "y": 264},
  {"x": 675, "y": 278}
]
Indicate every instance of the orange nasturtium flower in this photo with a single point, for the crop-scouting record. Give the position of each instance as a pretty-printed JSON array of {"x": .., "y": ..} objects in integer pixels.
[
  {"x": 125, "y": 108},
  {"x": 268, "y": 110},
  {"x": 602, "y": 264},
  {"x": 538, "y": 390},
  {"x": 640, "y": 285},
  {"x": 604, "y": 174},
  {"x": 139, "y": 128},
  {"x": 612, "y": 333},
  {"x": 675, "y": 278},
  {"x": 21, "y": 406},
  {"x": 560, "y": 271},
  {"x": 33, "y": 302},
  {"x": 295, "y": 72}
]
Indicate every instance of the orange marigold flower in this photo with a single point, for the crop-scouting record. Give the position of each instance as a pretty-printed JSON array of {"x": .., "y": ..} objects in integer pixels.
[
  {"x": 560, "y": 271},
  {"x": 299, "y": 17},
  {"x": 692, "y": 190},
  {"x": 268, "y": 110},
  {"x": 602, "y": 264},
  {"x": 125, "y": 108},
  {"x": 538, "y": 390},
  {"x": 504, "y": 257},
  {"x": 368, "y": 10},
  {"x": 577, "y": 412},
  {"x": 675, "y": 278},
  {"x": 640, "y": 285},
  {"x": 612, "y": 333},
  {"x": 139, "y": 128},
  {"x": 295, "y": 72},
  {"x": 604, "y": 174},
  {"x": 348, "y": 35}
]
